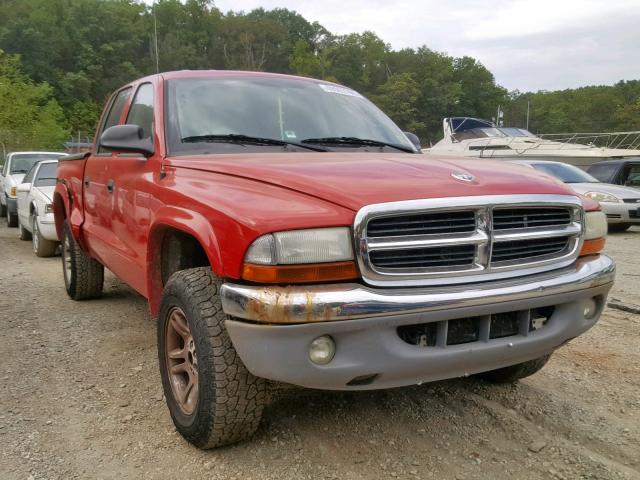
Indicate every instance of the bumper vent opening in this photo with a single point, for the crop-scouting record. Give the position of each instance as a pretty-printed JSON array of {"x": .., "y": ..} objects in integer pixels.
[
  {"x": 504, "y": 325},
  {"x": 463, "y": 330},
  {"x": 362, "y": 380},
  {"x": 485, "y": 328}
]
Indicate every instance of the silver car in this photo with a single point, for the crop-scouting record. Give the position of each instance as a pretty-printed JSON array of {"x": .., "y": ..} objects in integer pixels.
[{"x": 620, "y": 204}]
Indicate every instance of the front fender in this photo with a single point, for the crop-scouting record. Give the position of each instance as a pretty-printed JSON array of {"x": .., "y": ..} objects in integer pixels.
[
  {"x": 187, "y": 221},
  {"x": 62, "y": 207}
]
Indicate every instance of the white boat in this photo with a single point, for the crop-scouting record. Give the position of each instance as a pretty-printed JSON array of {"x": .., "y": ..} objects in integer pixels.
[{"x": 473, "y": 137}]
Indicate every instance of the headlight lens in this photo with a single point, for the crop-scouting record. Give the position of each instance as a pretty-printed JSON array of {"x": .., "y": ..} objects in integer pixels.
[
  {"x": 316, "y": 245},
  {"x": 595, "y": 225},
  {"x": 13, "y": 192},
  {"x": 602, "y": 197}
]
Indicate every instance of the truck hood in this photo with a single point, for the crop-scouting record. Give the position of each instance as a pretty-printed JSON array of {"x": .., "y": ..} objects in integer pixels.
[
  {"x": 353, "y": 180},
  {"x": 47, "y": 192}
]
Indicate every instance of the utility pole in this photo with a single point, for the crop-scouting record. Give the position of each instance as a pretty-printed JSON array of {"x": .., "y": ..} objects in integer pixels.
[{"x": 528, "y": 108}]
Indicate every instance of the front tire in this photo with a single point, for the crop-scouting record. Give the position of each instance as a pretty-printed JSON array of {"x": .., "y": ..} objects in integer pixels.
[
  {"x": 515, "y": 372},
  {"x": 212, "y": 398},
  {"x": 24, "y": 233},
  {"x": 41, "y": 246},
  {"x": 12, "y": 219},
  {"x": 619, "y": 227},
  {"x": 83, "y": 275}
]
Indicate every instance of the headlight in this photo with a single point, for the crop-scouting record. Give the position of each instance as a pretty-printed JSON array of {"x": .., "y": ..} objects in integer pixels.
[
  {"x": 301, "y": 256},
  {"x": 602, "y": 197},
  {"x": 48, "y": 208},
  {"x": 13, "y": 192},
  {"x": 595, "y": 231},
  {"x": 317, "y": 245},
  {"x": 595, "y": 225}
]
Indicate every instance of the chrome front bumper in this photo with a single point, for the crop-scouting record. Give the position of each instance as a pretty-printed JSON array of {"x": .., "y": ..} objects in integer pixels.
[{"x": 324, "y": 303}]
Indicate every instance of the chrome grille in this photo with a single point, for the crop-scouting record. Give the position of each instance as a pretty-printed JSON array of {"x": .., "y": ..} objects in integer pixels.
[
  {"x": 528, "y": 249},
  {"x": 465, "y": 239},
  {"x": 506, "y": 218},
  {"x": 423, "y": 224},
  {"x": 425, "y": 257}
]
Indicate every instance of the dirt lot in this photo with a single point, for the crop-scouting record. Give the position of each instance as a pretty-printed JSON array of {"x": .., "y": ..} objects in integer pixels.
[{"x": 81, "y": 398}]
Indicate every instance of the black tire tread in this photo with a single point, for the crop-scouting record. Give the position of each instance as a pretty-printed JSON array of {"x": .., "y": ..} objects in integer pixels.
[
  {"x": 46, "y": 248},
  {"x": 12, "y": 219},
  {"x": 515, "y": 372},
  {"x": 24, "y": 233},
  {"x": 87, "y": 273},
  {"x": 231, "y": 398}
]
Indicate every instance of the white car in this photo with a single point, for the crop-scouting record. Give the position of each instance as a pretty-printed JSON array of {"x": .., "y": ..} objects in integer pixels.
[
  {"x": 16, "y": 165},
  {"x": 620, "y": 204},
  {"x": 35, "y": 212}
]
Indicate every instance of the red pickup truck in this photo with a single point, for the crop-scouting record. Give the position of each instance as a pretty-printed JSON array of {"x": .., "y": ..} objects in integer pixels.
[{"x": 284, "y": 229}]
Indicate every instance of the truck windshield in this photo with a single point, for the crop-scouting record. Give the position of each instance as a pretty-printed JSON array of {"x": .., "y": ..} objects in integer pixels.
[
  {"x": 274, "y": 108},
  {"x": 22, "y": 162}
]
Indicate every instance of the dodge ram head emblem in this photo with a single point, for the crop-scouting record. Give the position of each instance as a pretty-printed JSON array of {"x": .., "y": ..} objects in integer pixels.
[{"x": 464, "y": 177}]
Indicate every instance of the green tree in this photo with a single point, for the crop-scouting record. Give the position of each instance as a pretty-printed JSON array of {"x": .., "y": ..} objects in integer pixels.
[
  {"x": 29, "y": 117},
  {"x": 399, "y": 97}
]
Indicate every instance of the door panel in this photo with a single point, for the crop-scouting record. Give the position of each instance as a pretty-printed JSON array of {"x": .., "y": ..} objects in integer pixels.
[
  {"x": 98, "y": 199},
  {"x": 132, "y": 178}
]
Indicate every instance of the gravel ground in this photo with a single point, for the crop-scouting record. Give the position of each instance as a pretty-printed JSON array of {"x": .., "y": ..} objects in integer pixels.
[{"x": 81, "y": 398}]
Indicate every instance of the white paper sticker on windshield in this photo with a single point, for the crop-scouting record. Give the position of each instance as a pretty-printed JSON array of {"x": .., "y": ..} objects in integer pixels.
[{"x": 339, "y": 90}]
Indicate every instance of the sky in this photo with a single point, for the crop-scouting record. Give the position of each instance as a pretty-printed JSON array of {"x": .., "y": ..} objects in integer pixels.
[{"x": 528, "y": 45}]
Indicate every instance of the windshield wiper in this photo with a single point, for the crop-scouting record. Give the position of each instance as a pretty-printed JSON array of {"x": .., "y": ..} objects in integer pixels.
[
  {"x": 245, "y": 139},
  {"x": 356, "y": 141}
]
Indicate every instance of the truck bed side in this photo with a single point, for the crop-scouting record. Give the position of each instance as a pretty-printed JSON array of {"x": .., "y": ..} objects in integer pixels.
[{"x": 68, "y": 196}]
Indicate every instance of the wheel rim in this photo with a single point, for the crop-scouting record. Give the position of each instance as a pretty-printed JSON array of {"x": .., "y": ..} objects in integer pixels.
[
  {"x": 181, "y": 361},
  {"x": 34, "y": 236},
  {"x": 66, "y": 258}
]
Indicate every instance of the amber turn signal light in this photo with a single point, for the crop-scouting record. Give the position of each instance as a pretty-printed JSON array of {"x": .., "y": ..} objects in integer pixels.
[
  {"x": 306, "y": 273},
  {"x": 595, "y": 245}
]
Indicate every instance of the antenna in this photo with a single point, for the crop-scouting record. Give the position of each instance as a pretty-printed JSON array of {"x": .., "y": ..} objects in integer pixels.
[{"x": 155, "y": 34}]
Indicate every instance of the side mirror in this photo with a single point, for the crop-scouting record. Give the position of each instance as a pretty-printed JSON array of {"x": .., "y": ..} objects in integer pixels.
[
  {"x": 126, "y": 138},
  {"x": 414, "y": 139},
  {"x": 24, "y": 187}
]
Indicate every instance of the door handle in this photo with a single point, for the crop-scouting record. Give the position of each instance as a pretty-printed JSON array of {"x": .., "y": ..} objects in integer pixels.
[
  {"x": 110, "y": 185},
  {"x": 87, "y": 181}
]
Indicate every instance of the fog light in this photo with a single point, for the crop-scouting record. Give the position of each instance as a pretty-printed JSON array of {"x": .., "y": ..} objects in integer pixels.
[
  {"x": 590, "y": 309},
  {"x": 322, "y": 350}
]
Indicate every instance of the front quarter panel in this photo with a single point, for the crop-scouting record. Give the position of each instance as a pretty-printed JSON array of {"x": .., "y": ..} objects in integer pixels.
[{"x": 225, "y": 214}]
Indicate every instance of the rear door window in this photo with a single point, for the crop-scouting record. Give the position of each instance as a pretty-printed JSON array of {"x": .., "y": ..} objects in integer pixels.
[
  {"x": 632, "y": 177},
  {"x": 115, "y": 113},
  {"x": 141, "y": 111},
  {"x": 604, "y": 172},
  {"x": 46, "y": 176},
  {"x": 28, "y": 178}
]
